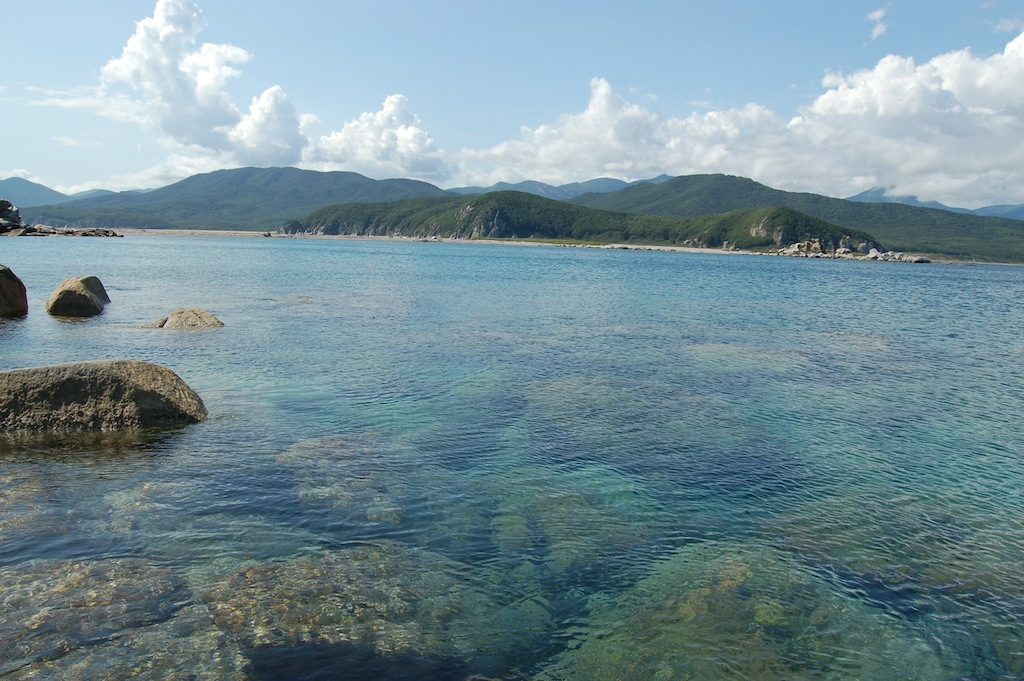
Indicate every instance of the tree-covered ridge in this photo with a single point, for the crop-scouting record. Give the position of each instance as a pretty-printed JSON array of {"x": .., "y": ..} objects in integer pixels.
[
  {"x": 899, "y": 227},
  {"x": 243, "y": 198},
  {"x": 516, "y": 215}
]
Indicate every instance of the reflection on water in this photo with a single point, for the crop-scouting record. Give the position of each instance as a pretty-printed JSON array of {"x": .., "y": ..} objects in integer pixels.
[{"x": 462, "y": 461}]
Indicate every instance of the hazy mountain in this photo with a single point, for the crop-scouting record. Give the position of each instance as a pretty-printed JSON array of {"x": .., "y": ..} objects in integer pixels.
[
  {"x": 1015, "y": 212},
  {"x": 562, "y": 192},
  {"x": 897, "y": 226},
  {"x": 878, "y": 195},
  {"x": 23, "y": 193},
  {"x": 243, "y": 198},
  {"x": 90, "y": 194}
]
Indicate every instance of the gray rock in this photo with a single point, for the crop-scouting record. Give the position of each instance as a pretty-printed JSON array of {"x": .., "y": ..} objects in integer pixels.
[
  {"x": 78, "y": 297},
  {"x": 13, "y": 297},
  {"x": 10, "y": 217},
  {"x": 98, "y": 395},
  {"x": 188, "y": 318}
]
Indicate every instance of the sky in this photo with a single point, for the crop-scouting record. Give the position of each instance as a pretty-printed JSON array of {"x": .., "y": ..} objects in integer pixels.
[{"x": 922, "y": 97}]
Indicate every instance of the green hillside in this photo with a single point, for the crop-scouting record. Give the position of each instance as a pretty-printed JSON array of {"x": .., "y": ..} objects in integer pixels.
[
  {"x": 516, "y": 215},
  {"x": 244, "y": 198},
  {"x": 899, "y": 227}
]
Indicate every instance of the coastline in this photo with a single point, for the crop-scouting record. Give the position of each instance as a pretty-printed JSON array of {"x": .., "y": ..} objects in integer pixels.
[
  {"x": 511, "y": 242},
  {"x": 238, "y": 233}
]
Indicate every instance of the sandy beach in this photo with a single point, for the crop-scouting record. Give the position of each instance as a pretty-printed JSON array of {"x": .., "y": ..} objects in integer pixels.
[{"x": 514, "y": 242}]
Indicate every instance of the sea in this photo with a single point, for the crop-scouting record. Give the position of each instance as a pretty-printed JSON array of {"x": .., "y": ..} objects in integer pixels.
[{"x": 496, "y": 461}]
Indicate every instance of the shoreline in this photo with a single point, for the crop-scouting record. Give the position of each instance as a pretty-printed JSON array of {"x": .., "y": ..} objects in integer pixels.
[{"x": 263, "y": 234}]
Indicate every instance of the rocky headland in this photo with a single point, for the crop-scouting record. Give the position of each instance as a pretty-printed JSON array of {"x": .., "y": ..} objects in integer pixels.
[{"x": 11, "y": 224}]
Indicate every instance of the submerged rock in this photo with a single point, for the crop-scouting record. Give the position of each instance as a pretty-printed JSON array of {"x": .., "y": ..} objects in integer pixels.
[
  {"x": 395, "y": 598},
  {"x": 49, "y": 609},
  {"x": 353, "y": 473},
  {"x": 188, "y": 318},
  {"x": 186, "y": 647},
  {"x": 78, "y": 297},
  {"x": 13, "y": 297},
  {"x": 720, "y": 610},
  {"x": 99, "y": 395}
]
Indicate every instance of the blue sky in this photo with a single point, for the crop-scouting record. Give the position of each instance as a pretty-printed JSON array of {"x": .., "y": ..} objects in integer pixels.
[{"x": 834, "y": 97}]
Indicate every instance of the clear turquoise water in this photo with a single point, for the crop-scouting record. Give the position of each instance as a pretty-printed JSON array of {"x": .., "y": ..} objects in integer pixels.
[{"x": 445, "y": 460}]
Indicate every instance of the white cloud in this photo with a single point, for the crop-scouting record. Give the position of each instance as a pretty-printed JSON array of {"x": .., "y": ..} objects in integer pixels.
[
  {"x": 74, "y": 143},
  {"x": 877, "y": 17},
  {"x": 164, "y": 82},
  {"x": 947, "y": 129},
  {"x": 388, "y": 142},
  {"x": 160, "y": 82},
  {"x": 1009, "y": 26},
  {"x": 19, "y": 172},
  {"x": 269, "y": 134}
]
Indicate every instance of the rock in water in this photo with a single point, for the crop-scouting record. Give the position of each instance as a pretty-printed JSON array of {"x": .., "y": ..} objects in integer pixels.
[
  {"x": 99, "y": 395},
  {"x": 13, "y": 297},
  {"x": 188, "y": 318},
  {"x": 78, "y": 297}
]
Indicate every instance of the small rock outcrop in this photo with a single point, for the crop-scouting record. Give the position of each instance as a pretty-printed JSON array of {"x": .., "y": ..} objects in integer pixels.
[
  {"x": 188, "y": 318},
  {"x": 10, "y": 216},
  {"x": 78, "y": 297},
  {"x": 99, "y": 395},
  {"x": 13, "y": 297},
  {"x": 866, "y": 250}
]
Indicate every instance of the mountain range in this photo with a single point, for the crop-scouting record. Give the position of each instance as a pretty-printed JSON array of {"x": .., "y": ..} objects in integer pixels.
[{"x": 264, "y": 199}]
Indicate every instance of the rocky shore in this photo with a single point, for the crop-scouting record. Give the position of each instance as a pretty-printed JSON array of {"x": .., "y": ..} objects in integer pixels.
[
  {"x": 814, "y": 249},
  {"x": 11, "y": 225}
]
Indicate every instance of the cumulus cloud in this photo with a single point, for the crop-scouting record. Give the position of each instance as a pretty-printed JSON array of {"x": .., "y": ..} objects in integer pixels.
[
  {"x": 159, "y": 81},
  {"x": 165, "y": 82},
  {"x": 388, "y": 141},
  {"x": 877, "y": 17},
  {"x": 270, "y": 133},
  {"x": 947, "y": 129}
]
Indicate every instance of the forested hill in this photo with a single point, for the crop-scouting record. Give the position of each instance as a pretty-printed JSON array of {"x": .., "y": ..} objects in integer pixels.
[
  {"x": 243, "y": 198},
  {"x": 516, "y": 215},
  {"x": 899, "y": 227}
]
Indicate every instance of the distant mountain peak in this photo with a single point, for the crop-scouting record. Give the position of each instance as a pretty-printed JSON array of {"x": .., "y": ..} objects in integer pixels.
[{"x": 24, "y": 193}]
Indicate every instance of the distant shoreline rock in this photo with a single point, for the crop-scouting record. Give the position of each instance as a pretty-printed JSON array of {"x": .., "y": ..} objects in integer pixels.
[
  {"x": 96, "y": 395},
  {"x": 813, "y": 248},
  {"x": 43, "y": 230},
  {"x": 11, "y": 225}
]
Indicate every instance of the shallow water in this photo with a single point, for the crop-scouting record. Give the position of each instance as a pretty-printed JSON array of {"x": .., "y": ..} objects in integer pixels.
[{"x": 444, "y": 460}]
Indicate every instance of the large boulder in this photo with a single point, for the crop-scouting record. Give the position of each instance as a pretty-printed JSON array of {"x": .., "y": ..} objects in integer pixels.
[
  {"x": 78, "y": 297},
  {"x": 13, "y": 297},
  {"x": 188, "y": 318},
  {"x": 97, "y": 395}
]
